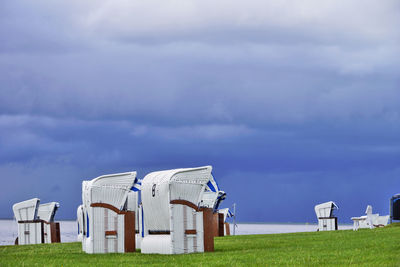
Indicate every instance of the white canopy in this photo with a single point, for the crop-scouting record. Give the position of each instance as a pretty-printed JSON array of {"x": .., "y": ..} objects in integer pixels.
[
  {"x": 47, "y": 211},
  {"x": 159, "y": 188},
  {"x": 212, "y": 196},
  {"x": 325, "y": 209},
  {"x": 26, "y": 210},
  {"x": 112, "y": 189},
  {"x": 227, "y": 213}
]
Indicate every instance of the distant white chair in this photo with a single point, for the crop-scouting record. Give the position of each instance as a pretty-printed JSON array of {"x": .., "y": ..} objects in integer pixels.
[
  {"x": 36, "y": 222},
  {"x": 46, "y": 212},
  {"x": 326, "y": 219},
  {"x": 106, "y": 219},
  {"x": 173, "y": 221},
  {"x": 369, "y": 220},
  {"x": 212, "y": 198},
  {"x": 226, "y": 214},
  {"x": 394, "y": 208}
]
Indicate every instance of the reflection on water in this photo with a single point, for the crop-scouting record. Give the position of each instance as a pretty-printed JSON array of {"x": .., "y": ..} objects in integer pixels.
[{"x": 69, "y": 229}]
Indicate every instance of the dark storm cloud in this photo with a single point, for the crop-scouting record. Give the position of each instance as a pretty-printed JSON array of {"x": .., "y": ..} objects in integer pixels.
[{"x": 281, "y": 98}]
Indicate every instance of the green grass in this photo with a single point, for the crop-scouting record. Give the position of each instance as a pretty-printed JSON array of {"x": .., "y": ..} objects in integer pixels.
[{"x": 377, "y": 247}]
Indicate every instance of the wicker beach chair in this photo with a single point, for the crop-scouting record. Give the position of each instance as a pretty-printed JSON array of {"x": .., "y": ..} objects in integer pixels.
[{"x": 174, "y": 223}]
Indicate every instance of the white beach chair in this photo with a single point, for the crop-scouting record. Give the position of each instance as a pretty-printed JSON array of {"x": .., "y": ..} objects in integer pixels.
[
  {"x": 107, "y": 216},
  {"x": 394, "y": 208},
  {"x": 173, "y": 221},
  {"x": 326, "y": 219},
  {"x": 36, "y": 222},
  {"x": 47, "y": 212},
  {"x": 226, "y": 214},
  {"x": 212, "y": 198},
  {"x": 369, "y": 220}
]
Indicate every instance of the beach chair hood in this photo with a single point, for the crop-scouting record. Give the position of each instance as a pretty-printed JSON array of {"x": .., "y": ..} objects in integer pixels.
[
  {"x": 26, "y": 210},
  {"x": 47, "y": 211}
]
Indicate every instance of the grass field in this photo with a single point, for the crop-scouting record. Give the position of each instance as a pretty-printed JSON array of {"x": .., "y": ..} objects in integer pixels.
[{"x": 377, "y": 247}]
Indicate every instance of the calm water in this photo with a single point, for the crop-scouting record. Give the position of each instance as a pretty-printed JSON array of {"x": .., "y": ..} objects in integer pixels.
[{"x": 69, "y": 229}]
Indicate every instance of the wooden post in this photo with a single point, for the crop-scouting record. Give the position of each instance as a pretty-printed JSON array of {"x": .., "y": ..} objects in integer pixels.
[
  {"x": 208, "y": 229},
  {"x": 215, "y": 224},
  {"x": 55, "y": 232},
  {"x": 130, "y": 231},
  {"x": 220, "y": 224}
]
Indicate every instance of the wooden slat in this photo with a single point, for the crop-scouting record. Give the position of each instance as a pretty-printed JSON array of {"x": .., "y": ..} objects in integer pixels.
[
  {"x": 159, "y": 232},
  {"x": 30, "y": 221},
  {"x": 190, "y": 232},
  {"x": 111, "y": 233}
]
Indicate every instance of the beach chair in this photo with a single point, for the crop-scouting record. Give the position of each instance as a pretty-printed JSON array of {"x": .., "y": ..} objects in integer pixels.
[
  {"x": 326, "y": 219},
  {"x": 212, "y": 198},
  {"x": 395, "y": 208},
  {"x": 226, "y": 214},
  {"x": 36, "y": 222},
  {"x": 46, "y": 213},
  {"x": 174, "y": 223},
  {"x": 369, "y": 220},
  {"x": 107, "y": 216}
]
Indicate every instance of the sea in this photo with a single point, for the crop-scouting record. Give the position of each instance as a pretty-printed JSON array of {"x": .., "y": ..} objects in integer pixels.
[{"x": 69, "y": 229}]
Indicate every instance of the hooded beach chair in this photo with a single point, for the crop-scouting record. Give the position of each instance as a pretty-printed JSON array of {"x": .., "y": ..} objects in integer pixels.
[
  {"x": 395, "y": 208},
  {"x": 36, "y": 222},
  {"x": 107, "y": 218},
  {"x": 212, "y": 198},
  {"x": 326, "y": 219},
  {"x": 174, "y": 223},
  {"x": 226, "y": 214},
  {"x": 46, "y": 213}
]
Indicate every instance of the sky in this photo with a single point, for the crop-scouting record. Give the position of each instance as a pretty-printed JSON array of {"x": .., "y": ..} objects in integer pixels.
[{"x": 293, "y": 103}]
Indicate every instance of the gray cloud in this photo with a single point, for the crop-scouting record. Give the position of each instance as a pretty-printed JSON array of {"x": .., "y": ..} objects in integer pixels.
[{"x": 280, "y": 94}]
